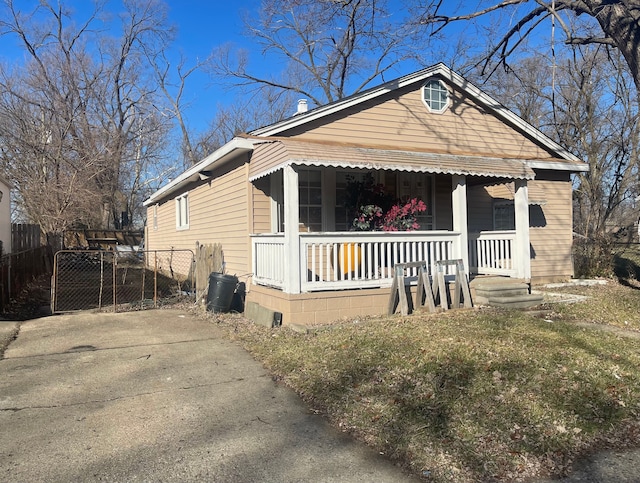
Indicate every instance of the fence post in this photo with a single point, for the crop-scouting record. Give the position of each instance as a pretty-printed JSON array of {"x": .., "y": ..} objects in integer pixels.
[
  {"x": 115, "y": 282},
  {"x": 155, "y": 280},
  {"x": 101, "y": 280}
]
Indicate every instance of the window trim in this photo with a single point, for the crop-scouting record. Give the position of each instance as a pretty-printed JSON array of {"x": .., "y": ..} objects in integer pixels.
[
  {"x": 426, "y": 103},
  {"x": 182, "y": 207}
]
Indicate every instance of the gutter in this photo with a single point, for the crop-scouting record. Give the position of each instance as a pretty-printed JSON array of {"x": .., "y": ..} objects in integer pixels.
[
  {"x": 202, "y": 170},
  {"x": 576, "y": 167}
]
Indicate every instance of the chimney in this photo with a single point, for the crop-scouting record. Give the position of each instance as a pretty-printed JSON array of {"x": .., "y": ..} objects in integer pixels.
[{"x": 302, "y": 106}]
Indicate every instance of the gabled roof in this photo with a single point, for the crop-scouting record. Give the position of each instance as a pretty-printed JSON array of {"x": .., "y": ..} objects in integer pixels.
[
  {"x": 322, "y": 154},
  {"x": 438, "y": 70}
]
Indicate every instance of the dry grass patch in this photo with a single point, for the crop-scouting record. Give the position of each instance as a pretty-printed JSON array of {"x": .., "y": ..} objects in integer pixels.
[
  {"x": 612, "y": 304},
  {"x": 465, "y": 396}
]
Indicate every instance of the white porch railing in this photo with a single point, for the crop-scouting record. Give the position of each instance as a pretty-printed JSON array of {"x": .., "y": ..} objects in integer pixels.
[
  {"x": 493, "y": 253},
  {"x": 268, "y": 260},
  {"x": 366, "y": 259},
  {"x": 348, "y": 260}
]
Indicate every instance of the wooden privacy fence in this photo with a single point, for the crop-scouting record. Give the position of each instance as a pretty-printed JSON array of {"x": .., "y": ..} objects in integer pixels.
[
  {"x": 119, "y": 281},
  {"x": 19, "y": 268},
  {"x": 24, "y": 237},
  {"x": 208, "y": 260}
]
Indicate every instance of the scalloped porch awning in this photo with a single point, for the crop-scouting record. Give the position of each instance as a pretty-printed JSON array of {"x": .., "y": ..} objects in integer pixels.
[{"x": 274, "y": 154}]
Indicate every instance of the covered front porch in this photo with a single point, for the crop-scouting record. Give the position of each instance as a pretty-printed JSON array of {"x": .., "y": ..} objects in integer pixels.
[{"x": 298, "y": 261}]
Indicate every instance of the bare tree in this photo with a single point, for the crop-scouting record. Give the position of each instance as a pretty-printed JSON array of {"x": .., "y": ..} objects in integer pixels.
[
  {"x": 597, "y": 114},
  {"x": 244, "y": 115},
  {"x": 614, "y": 23},
  {"x": 80, "y": 133},
  {"x": 593, "y": 111},
  {"x": 174, "y": 91},
  {"x": 328, "y": 49}
]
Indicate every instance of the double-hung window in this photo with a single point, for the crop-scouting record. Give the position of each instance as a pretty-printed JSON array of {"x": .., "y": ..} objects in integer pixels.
[
  {"x": 310, "y": 192},
  {"x": 182, "y": 212}
]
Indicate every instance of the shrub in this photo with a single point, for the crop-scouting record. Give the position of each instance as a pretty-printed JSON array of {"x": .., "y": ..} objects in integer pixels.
[{"x": 593, "y": 257}]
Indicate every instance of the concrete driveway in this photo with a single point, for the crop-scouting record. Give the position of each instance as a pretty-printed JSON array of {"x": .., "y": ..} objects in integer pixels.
[{"x": 159, "y": 396}]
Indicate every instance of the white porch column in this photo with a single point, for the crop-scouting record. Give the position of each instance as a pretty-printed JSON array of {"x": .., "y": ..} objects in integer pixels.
[
  {"x": 459, "y": 208},
  {"x": 291, "y": 231},
  {"x": 522, "y": 250}
]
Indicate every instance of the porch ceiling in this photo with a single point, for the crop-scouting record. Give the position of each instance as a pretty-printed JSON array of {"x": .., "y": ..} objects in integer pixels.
[{"x": 272, "y": 155}]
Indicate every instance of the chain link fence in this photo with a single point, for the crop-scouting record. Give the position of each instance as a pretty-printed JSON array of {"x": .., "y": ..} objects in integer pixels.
[{"x": 120, "y": 280}]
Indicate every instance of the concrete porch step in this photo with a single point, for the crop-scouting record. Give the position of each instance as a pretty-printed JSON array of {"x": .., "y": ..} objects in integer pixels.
[
  {"x": 517, "y": 302},
  {"x": 494, "y": 283},
  {"x": 504, "y": 292}
]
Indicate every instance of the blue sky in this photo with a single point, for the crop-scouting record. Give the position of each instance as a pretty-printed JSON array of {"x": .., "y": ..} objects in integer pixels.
[{"x": 202, "y": 26}]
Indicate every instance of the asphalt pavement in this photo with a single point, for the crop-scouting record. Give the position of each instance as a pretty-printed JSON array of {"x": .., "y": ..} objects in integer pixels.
[{"x": 159, "y": 396}]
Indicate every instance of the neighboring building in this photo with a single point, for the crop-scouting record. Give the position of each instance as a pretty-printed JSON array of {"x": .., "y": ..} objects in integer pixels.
[
  {"x": 5, "y": 215},
  {"x": 498, "y": 195}
]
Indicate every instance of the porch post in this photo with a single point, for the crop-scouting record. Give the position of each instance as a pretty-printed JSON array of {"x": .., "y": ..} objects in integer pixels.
[
  {"x": 459, "y": 208},
  {"x": 522, "y": 251},
  {"x": 291, "y": 231}
]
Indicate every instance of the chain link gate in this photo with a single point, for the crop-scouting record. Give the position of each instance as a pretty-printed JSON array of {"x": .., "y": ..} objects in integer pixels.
[{"x": 120, "y": 280}]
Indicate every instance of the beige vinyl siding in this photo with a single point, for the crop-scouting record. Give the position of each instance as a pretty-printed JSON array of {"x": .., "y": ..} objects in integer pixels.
[
  {"x": 551, "y": 241},
  {"x": 402, "y": 121},
  {"x": 261, "y": 206},
  {"x": 217, "y": 214},
  {"x": 5, "y": 218},
  {"x": 550, "y": 221},
  {"x": 271, "y": 154}
]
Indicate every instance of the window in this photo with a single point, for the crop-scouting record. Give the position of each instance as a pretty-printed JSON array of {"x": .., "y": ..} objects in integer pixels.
[
  {"x": 504, "y": 215},
  {"x": 182, "y": 212},
  {"x": 310, "y": 193},
  {"x": 435, "y": 95},
  {"x": 421, "y": 186},
  {"x": 344, "y": 216}
]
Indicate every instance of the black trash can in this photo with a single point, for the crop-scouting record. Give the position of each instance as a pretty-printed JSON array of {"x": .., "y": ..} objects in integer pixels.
[{"x": 221, "y": 290}]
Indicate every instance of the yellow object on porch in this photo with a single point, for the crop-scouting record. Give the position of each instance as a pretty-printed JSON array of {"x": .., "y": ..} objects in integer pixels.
[{"x": 349, "y": 257}]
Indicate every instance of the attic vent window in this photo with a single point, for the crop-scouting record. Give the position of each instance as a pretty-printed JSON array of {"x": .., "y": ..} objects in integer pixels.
[{"x": 436, "y": 96}]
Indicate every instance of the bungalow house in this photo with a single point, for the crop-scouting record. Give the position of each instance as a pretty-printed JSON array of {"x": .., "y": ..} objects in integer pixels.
[
  {"x": 5, "y": 216},
  {"x": 497, "y": 191}
]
